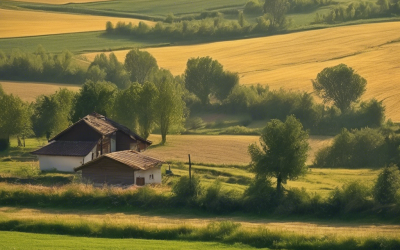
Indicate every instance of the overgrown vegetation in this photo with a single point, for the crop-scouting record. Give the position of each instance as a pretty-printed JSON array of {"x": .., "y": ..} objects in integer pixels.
[
  {"x": 40, "y": 66},
  {"x": 225, "y": 232},
  {"x": 362, "y": 148},
  {"x": 360, "y": 10}
]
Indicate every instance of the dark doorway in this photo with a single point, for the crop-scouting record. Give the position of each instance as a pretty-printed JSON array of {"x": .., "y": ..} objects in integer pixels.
[{"x": 140, "y": 181}]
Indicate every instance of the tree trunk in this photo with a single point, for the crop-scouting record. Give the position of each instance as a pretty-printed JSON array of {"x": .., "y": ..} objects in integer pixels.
[
  {"x": 163, "y": 138},
  {"x": 279, "y": 185}
]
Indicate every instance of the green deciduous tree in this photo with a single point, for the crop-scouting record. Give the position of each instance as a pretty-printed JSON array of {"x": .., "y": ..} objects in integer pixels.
[
  {"x": 14, "y": 118},
  {"x": 140, "y": 65},
  {"x": 276, "y": 9},
  {"x": 387, "y": 185},
  {"x": 205, "y": 76},
  {"x": 52, "y": 114},
  {"x": 169, "y": 105},
  {"x": 98, "y": 97},
  {"x": 147, "y": 108},
  {"x": 126, "y": 106},
  {"x": 283, "y": 151},
  {"x": 113, "y": 69},
  {"x": 340, "y": 85}
]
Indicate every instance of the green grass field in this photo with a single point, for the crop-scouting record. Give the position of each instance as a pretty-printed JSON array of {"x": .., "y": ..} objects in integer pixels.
[
  {"x": 16, "y": 240},
  {"x": 75, "y": 42}
]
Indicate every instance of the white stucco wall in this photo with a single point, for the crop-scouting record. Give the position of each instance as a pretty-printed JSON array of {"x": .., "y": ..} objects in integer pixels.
[
  {"x": 156, "y": 172},
  {"x": 63, "y": 163}
]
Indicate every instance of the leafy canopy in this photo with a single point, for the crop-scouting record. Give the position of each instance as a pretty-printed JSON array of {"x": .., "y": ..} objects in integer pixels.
[
  {"x": 340, "y": 85},
  {"x": 140, "y": 65},
  {"x": 283, "y": 151}
]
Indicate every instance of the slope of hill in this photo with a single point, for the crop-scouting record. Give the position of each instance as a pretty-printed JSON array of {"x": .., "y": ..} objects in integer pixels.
[
  {"x": 290, "y": 61},
  {"x": 28, "y": 91},
  {"x": 18, "y": 23}
]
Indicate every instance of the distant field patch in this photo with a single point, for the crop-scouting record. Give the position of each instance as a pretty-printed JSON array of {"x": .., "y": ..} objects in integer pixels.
[
  {"x": 28, "y": 91},
  {"x": 17, "y": 23},
  {"x": 291, "y": 61},
  {"x": 216, "y": 149},
  {"x": 60, "y": 1}
]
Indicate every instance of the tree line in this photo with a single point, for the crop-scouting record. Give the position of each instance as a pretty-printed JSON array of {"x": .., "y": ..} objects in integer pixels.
[
  {"x": 40, "y": 66},
  {"x": 360, "y": 10}
]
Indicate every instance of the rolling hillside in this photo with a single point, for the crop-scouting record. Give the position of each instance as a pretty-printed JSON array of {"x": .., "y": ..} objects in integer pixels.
[
  {"x": 290, "y": 61},
  {"x": 18, "y": 23}
]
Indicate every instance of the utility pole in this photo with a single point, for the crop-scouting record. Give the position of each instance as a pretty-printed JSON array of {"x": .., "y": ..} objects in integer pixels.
[{"x": 190, "y": 169}]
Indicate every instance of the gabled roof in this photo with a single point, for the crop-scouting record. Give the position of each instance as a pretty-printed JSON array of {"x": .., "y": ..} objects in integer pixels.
[
  {"x": 66, "y": 148},
  {"x": 130, "y": 158},
  {"x": 104, "y": 126}
]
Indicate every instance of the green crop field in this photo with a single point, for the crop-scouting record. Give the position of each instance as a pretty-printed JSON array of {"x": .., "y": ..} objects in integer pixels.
[
  {"x": 16, "y": 240},
  {"x": 75, "y": 42}
]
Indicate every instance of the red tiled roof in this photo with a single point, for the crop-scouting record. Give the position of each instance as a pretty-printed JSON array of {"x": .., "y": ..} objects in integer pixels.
[
  {"x": 130, "y": 158},
  {"x": 66, "y": 148}
]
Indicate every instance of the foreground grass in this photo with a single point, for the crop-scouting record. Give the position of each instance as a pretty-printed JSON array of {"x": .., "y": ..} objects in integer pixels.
[
  {"x": 174, "y": 219},
  {"x": 16, "y": 240},
  {"x": 223, "y": 232}
]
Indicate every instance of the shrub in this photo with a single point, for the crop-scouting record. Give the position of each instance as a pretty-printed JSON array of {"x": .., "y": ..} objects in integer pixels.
[
  {"x": 260, "y": 196},
  {"x": 387, "y": 185},
  {"x": 355, "y": 149},
  {"x": 187, "y": 190},
  {"x": 352, "y": 197},
  {"x": 218, "y": 201},
  {"x": 195, "y": 123},
  {"x": 240, "y": 130}
]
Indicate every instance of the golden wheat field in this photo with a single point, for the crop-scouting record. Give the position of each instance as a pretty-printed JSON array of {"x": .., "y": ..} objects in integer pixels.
[
  {"x": 60, "y": 1},
  {"x": 290, "y": 61},
  {"x": 172, "y": 221},
  {"x": 28, "y": 91},
  {"x": 216, "y": 149},
  {"x": 18, "y": 23}
]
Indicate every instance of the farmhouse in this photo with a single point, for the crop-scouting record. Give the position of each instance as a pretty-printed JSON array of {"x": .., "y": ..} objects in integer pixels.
[
  {"x": 124, "y": 167},
  {"x": 90, "y": 137}
]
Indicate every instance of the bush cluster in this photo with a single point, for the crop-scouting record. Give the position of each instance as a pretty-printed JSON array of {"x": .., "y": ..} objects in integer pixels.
[
  {"x": 364, "y": 148},
  {"x": 216, "y": 28},
  {"x": 361, "y": 10},
  {"x": 40, "y": 66},
  {"x": 261, "y": 103}
]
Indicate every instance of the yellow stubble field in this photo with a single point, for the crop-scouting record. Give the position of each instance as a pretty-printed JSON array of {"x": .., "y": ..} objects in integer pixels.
[
  {"x": 217, "y": 149},
  {"x": 60, "y": 1},
  {"x": 18, "y": 23},
  {"x": 28, "y": 91},
  {"x": 290, "y": 61}
]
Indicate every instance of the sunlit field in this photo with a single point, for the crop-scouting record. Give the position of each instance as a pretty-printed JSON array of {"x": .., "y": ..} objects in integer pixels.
[
  {"x": 28, "y": 91},
  {"x": 60, "y": 1},
  {"x": 18, "y": 23},
  {"x": 290, "y": 61},
  {"x": 172, "y": 221},
  {"x": 216, "y": 149}
]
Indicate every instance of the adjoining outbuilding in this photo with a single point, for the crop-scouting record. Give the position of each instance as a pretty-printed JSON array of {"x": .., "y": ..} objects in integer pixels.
[
  {"x": 122, "y": 168},
  {"x": 90, "y": 137}
]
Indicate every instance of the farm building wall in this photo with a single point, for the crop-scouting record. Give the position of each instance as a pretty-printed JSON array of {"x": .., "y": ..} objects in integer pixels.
[
  {"x": 79, "y": 132},
  {"x": 152, "y": 175},
  {"x": 109, "y": 171},
  {"x": 123, "y": 141},
  {"x": 63, "y": 163}
]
